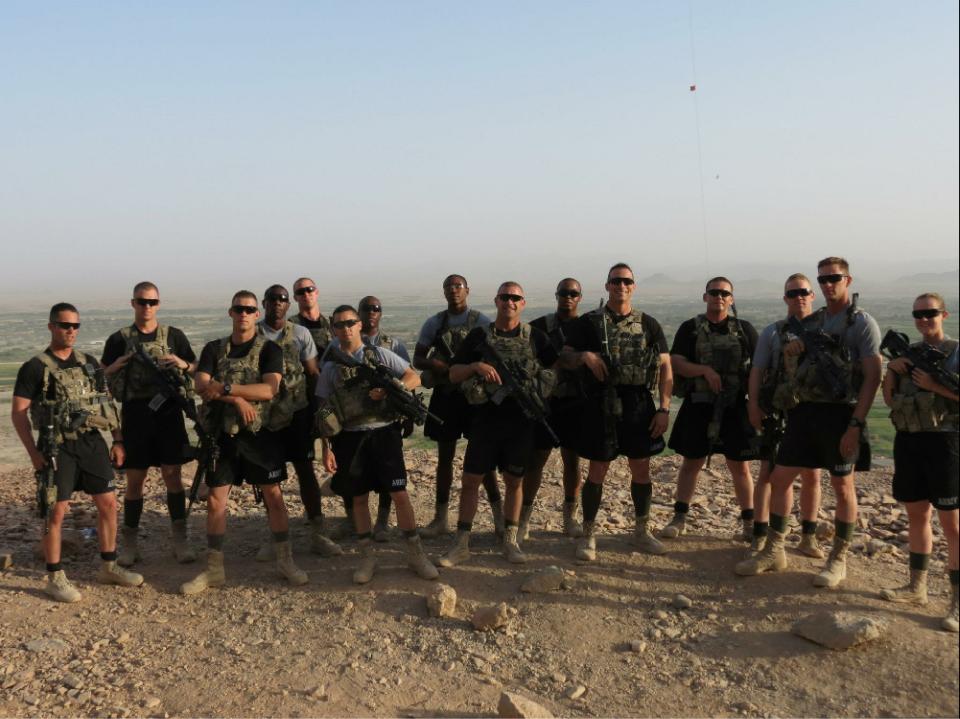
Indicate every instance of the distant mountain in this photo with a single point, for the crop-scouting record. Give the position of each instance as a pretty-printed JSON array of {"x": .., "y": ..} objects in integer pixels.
[{"x": 937, "y": 277}]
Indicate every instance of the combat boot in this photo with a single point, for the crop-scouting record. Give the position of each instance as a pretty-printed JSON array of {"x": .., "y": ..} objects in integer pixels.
[
  {"x": 511, "y": 550},
  {"x": 523, "y": 531},
  {"x": 112, "y": 573},
  {"x": 498, "y": 524},
  {"x": 913, "y": 592},
  {"x": 771, "y": 558},
  {"x": 368, "y": 563},
  {"x": 746, "y": 532},
  {"x": 836, "y": 569},
  {"x": 381, "y": 528},
  {"x": 417, "y": 560},
  {"x": 571, "y": 527},
  {"x": 212, "y": 576},
  {"x": 810, "y": 546},
  {"x": 129, "y": 554},
  {"x": 438, "y": 526},
  {"x": 267, "y": 552},
  {"x": 320, "y": 543},
  {"x": 182, "y": 551},
  {"x": 951, "y": 622},
  {"x": 644, "y": 541},
  {"x": 290, "y": 571},
  {"x": 344, "y": 528},
  {"x": 458, "y": 553},
  {"x": 60, "y": 589},
  {"x": 756, "y": 546},
  {"x": 676, "y": 528},
  {"x": 587, "y": 544}
]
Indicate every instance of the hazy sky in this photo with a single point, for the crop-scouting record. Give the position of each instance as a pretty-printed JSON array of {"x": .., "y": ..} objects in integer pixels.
[{"x": 218, "y": 145}]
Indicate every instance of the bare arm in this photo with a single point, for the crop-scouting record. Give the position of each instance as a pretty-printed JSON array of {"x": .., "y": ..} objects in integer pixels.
[
  {"x": 21, "y": 423},
  {"x": 666, "y": 381},
  {"x": 889, "y": 384},
  {"x": 212, "y": 390}
]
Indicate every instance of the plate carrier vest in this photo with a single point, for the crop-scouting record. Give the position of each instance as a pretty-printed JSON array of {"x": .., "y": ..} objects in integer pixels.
[
  {"x": 917, "y": 410},
  {"x": 76, "y": 397}
]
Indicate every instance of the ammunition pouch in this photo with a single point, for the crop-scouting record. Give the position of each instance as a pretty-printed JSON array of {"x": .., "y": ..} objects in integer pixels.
[{"x": 326, "y": 424}]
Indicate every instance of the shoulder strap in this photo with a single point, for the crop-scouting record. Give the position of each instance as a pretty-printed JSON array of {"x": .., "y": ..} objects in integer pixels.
[{"x": 473, "y": 316}]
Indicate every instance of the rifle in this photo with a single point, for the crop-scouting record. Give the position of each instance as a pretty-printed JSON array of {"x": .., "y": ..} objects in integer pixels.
[
  {"x": 722, "y": 401},
  {"x": 611, "y": 406},
  {"x": 816, "y": 346},
  {"x": 927, "y": 359},
  {"x": 46, "y": 484},
  {"x": 403, "y": 401}
]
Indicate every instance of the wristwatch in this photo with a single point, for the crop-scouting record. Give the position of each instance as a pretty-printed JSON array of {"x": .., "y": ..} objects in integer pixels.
[
  {"x": 859, "y": 423},
  {"x": 227, "y": 389},
  {"x": 663, "y": 410}
]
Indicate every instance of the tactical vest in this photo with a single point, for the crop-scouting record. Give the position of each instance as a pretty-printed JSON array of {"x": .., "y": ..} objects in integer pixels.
[
  {"x": 351, "y": 396},
  {"x": 520, "y": 352},
  {"x": 384, "y": 340},
  {"x": 321, "y": 335},
  {"x": 635, "y": 361},
  {"x": 917, "y": 410},
  {"x": 776, "y": 393},
  {"x": 568, "y": 382},
  {"x": 453, "y": 337},
  {"x": 293, "y": 390},
  {"x": 75, "y": 399},
  {"x": 238, "y": 371},
  {"x": 723, "y": 353},
  {"x": 135, "y": 381}
]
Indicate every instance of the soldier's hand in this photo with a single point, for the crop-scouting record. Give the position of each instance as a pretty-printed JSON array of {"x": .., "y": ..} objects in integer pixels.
[
  {"x": 850, "y": 443},
  {"x": 658, "y": 425},
  {"x": 246, "y": 410},
  {"x": 118, "y": 364},
  {"x": 377, "y": 394},
  {"x": 713, "y": 380},
  {"x": 328, "y": 459},
  {"x": 117, "y": 455},
  {"x": 793, "y": 348},
  {"x": 486, "y": 372},
  {"x": 596, "y": 365},
  {"x": 213, "y": 390},
  {"x": 172, "y": 361},
  {"x": 756, "y": 416},
  {"x": 406, "y": 427},
  {"x": 900, "y": 365},
  {"x": 924, "y": 380},
  {"x": 38, "y": 460}
]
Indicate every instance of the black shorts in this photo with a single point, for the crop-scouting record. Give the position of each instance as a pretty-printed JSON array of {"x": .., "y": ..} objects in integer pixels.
[
  {"x": 927, "y": 468},
  {"x": 632, "y": 429},
  {"x": 564, "y": 420},
  {"x": 297, "y": 437},
  {"x": 505, "y": 445},
  {"x": 153, "y": 439},
  {"x": 449, "y": 404},
  {"x": 369, "y": 461},
  {"x": 812, "y": 439},
  {"x": 83, "y": 465},
  {"x": 689, "y": 435},
  {"x": 254, "y": 459}
]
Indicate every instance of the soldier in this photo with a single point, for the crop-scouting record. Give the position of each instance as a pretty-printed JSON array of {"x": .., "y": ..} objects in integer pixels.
[
  {"x": 626, "y": 353},
  {"x": 765, "y": 374},
  {"x": 299, "y": 363},
  {"x": 309, "y": 315},
  {"x": 238, "y": 377},
  {"x": 827, "y": 400},
  {"x": 925, "y": 450},
  {"x": 155, "y": 432},
  {"x": 63, "y": 389},
  {"x": 711, "y": 356},
  {"x": 565, "y": 405},
  {"x": 439, "y": 340},
  {"x": 367, "y": 455}
]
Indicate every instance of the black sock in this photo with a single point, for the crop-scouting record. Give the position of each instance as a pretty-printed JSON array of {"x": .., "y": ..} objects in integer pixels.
[
  {"x": 919, "y": 561},
  {"x": 844, "y": 530},
  {"x": 215, "y": 542},
  {"x": 283, "y": 536},
  {"x": 132, "y": 509},
  {"x": 591, "y": 494},
  {"x": 778, "y": 523},
  {"x": 955, "y": 576},
  {"x": 808, "y": 526},
  {"x": 641, "y": 494},
  {"x": 760, "y": 528},
  {"x": 177, "y": 505},
  {"x": 384, "y": 502},
  {"x": 54, "y": 566},
  {"x": 746, "y": 514},
  {"x": 678, "y": 507},
  {"x": 570, "y": 499},
  {"x": 109, "y": 556},
  {"x": 464, "y": 526}
]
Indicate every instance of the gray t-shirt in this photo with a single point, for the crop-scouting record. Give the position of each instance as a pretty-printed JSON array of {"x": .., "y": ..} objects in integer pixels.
[
  {"x": 328, "y": 372},
  {"x": 306, "y": 347},
  {"x": 768, "y": 348},
  {"x": 396, "y": 346},
  {"x": 428, "y": 333},
  {"x": 862, "y": 338}
]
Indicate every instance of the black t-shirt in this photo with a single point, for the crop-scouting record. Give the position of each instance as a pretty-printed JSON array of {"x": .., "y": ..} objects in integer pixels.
[
  {"x": 178, "y": 343},
  {"x": 558, "y": 336},
  {"x": 271, "y": 356},
  {"x": 29, "y": 382},
  {"x": 685, "y": 340},
  {"x": 582, "y": 332}
]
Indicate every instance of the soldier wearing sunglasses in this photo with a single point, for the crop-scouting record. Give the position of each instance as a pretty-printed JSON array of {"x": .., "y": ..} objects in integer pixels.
[
  {"x": 50, "y": 386},
  {"x": 925, "y": 453},
  {"x": 565, "y": 405},
  {"x": 711, "y": 361},
  {"x": 155, "y": 432},
  {"x": 826, "y": 423},
  {"x": 307, "y": 297}
]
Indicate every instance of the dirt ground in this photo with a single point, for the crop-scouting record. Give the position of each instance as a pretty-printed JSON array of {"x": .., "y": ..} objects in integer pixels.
[{"x": 330, "y": 648}]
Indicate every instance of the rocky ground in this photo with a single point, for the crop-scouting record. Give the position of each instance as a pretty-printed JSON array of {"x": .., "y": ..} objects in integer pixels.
[{"x": 614, "y": 640}]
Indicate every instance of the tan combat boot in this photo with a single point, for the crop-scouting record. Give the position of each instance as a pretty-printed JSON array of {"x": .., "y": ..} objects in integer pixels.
[
  {"x": 587, "y": 544},
  {"x": 746, "y": 531},
  {"x": 212, "y": 576},
  {"x": 60, "y": 589},
  {"x": 511, "y": 550},
  {"x": 498, "y": 524},
  {"x": 913, "y": 592},
  {"x": 523, "y": 531},
  {"x": 129, "y": 554},
  {"x": 571, "y": 527},
  {"x": 267, "y": 551},
  {"x": 643, "y": 540},
  {"x": 951, "y": 622},
  {"x": 285, "y": 565},
  {"x": 756, "y": 546},
  {"x": 182, "y": 551},
  {"x": 368, "y": 563},
  {"x": 438, "y": 527},
  {"x": 771, "y": 558},
  {"x": 344, "y": 528},
  {"x": 835, "y": 570},
  {"x": 810, "y": 546},
  {"x": 459, "y": 552},
  {"x": 112, "y": 573},
  {"x": 417, "y": 560},
  {"x": 676, "y": 528},
  {"x": 320, "y": 543}
]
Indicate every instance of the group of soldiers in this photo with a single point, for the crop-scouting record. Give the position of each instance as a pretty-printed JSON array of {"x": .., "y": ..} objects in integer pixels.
[{"x": 597, "y": 385}]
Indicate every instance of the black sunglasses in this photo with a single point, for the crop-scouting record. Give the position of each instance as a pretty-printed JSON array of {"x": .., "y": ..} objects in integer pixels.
[
  {"x": 927, "y": 314},
  {"x": 371, "y": 308},
  {"x": 68, "y": 325},
  {"x": 719, "y": 293},
  {"x": 799, "y": 292},
  {"x": 341, "y": 324},
  {"x": 620, "y": 281},
  {"x": 244, "y": 309},
  {"x": 505, "y": 297},
  {"x": 454, "y": 286},
  {"x": 145, "y": 302},
  {"x": 277, "y": 298},
  {"x": 309, "y": 289},
  {"x": 568, "y": 293},
  {"x": 830, "y": 279}
]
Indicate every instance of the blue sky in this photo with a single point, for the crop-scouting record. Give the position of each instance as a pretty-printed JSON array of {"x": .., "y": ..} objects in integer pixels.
[{"x": 211, "y": 144}]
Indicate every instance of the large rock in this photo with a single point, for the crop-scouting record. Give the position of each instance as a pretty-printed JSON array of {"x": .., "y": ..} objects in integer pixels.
[
  {"x": 546, "y": 580},
  {"x": 489, "y": 618},
  {"x": 838, "y": 630},
  {"x": 515, "y": 706},
  {"x": 442, "y": 601}
]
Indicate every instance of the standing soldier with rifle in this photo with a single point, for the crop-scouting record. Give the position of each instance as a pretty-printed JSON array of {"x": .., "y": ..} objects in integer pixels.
[
  {"x": 711, "y": 362},
  {"x": 153, "y": 425},
  {"x": 920, "y": 388},
  {"x": 827, "y": 400},
  {"x": 62, "y": 391},
  {"x": 626, "y": 353},
  {"x": 359, "y": 413},
  {"x": 502, "y": 368}
]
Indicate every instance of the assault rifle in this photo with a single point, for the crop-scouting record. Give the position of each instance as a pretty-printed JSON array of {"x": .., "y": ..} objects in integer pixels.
[
  {"x": 816, "y": 347},
  {"x": 406, "y": 403},
  {"x": 927, "y": 359},
  {"x": 53, "y": 420},
  {"x": 722, "y": 401},
  {"x": 611, "y": 407}
]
